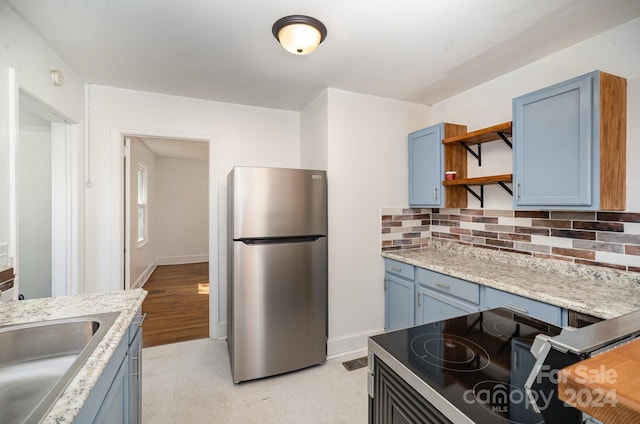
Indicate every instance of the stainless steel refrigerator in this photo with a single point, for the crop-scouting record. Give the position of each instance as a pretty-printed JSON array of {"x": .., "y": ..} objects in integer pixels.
[{"x": 277, "y": 270}]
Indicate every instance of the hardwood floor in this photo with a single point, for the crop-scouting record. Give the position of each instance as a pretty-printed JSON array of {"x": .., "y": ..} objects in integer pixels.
[{"x": 177, "y": 305}]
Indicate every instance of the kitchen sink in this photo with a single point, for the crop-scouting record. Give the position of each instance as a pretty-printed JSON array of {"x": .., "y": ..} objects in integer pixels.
[{"x": 38, "y": 360}]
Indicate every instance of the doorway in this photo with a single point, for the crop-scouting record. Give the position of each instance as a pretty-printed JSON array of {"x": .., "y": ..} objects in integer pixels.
[
  {"x": 44, "y": 200},
  {"x": 33, "y": 198},
  {"x": 166, "y": 232}
]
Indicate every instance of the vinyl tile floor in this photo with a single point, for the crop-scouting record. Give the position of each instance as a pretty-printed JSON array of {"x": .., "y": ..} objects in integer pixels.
[{"x": 190, "y": 382}]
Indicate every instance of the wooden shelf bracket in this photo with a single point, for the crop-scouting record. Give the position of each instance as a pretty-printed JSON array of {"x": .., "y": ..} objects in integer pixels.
[
  {"x": 480, "y": 196},
  {"x": 503, "y": 136},
  {"x": 478, "y": 155}
]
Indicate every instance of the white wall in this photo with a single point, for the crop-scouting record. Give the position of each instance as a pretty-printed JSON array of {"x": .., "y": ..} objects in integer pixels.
[
  {"x": 142, "y": 258},
  {"x": 182, "y": 210},
  {"x": 240, "y": 135},
  {"x": 314, "y": 127},
  {"x": 366, "y": 170},
  {"x": 32, "y": 59},
  {"x": 34, "y": 217},
  {"x": 616, "y": 51}
]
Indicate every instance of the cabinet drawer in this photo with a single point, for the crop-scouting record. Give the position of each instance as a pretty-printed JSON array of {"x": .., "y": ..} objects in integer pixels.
[
  {"x": 540, "y": 310},
  {"x": 450, "y": 285},
  {"x": 399, "y": 268}
]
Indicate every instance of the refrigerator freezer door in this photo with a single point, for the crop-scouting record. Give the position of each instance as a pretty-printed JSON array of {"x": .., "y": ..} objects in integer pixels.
[
  {"x": 279, "y": 309},
  {"x": 278, "y": 202}
]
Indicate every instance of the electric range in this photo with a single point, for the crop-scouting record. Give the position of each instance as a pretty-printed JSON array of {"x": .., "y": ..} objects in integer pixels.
[{"x": 469, "y": 369}]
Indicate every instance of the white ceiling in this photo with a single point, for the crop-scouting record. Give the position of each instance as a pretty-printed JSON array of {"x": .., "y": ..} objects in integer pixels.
[
  {"x": 177, "y": 149},
  {"x": 417, "y": 50}
]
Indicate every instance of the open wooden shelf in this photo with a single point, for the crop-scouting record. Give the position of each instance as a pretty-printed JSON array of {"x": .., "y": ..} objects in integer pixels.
[
  {"x": 481, "y": 181},
  {"x": 478, "y": 137},
  {"x": 492, "y": 179},
  {"x": 456, "y": 147},
  {"x": 484, "y": 135}
]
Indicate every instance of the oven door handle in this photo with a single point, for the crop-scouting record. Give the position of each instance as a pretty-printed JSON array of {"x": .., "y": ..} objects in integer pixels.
[{"x": 539, "y": 349}]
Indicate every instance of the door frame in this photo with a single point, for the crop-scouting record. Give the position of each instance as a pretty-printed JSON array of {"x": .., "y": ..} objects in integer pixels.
[
  {"x": 119, "y": 256},
  {"x": 66, "y": 215}
]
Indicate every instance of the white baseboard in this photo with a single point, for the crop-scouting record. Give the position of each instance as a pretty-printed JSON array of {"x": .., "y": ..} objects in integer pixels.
[
  {"x": 179, "y": 260},
  {"x": 336, "y": 347},
  {"x": 142, "y": 279},
  {"x": 221, "y": 332},
  {"x": 340, "y": 346},
  {"x": 168, "y": 260}
]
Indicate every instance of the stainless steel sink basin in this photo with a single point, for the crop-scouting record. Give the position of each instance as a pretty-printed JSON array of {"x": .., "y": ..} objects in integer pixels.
[{"x": 38, "y": 360}]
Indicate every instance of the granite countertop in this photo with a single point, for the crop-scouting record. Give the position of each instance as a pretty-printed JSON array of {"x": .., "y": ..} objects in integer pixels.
[
  {"x": 591, "y": 290},
  {"x": 126, "y": 302}
]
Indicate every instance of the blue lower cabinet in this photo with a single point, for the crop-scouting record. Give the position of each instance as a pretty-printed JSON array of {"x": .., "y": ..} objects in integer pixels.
[
  {"x": 441, "y": 296},
  {"x": 116, "y": 397},
  {"x": 399, "y": 300},
  {"x": 107, "y": 401},
  {"x": 452, "y": 287},
  {"x": 416, "y": 296},
  {"x": 114, "y": 407},
  {"x": 399, "y": 294},
  {"x": 533, "y": 308},
  {"x": 432, "y": 306}
]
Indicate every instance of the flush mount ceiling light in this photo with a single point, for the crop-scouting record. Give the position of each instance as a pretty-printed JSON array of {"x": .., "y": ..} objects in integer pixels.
[{"x": 299, "y": 34}]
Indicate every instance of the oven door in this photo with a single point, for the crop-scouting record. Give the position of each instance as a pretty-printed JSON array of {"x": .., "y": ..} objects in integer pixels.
[{"x": 394, "y": 401}]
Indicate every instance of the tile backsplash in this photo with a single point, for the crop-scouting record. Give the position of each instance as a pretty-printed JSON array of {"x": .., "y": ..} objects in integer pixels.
[{"x": 606, "y": 239}]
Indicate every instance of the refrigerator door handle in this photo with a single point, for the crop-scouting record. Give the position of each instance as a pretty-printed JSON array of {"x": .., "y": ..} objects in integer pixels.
[{"x": 280, "y": 240}]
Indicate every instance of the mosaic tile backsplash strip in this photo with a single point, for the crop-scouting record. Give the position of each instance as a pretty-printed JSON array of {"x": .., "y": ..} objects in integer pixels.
[{"x": 606, "y": 239}]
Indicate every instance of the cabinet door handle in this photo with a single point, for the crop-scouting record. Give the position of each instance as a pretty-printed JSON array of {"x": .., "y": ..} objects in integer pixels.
[
  {"x": 517, "y": 190},
  {"x": 435, "y": 193},
  {"x": 141, "y": 318},
  {"x": 516, "y": 309},
  {"x": 443, "y": 285},
  {"x": 396, "y": 268},
  {"x": 419, "y": 299},
  {"x": 515, "y": 360},
  {"x": 137, "y": 359}
]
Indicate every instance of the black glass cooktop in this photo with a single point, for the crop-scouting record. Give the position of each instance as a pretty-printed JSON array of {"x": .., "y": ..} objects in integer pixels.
[{"x": 478, "y": 362}]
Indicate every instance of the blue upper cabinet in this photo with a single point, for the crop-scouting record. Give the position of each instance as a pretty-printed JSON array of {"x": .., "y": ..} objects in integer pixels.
[
  {"x": 426, "y": 164},
  {"x": 569, "y": 144}
]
